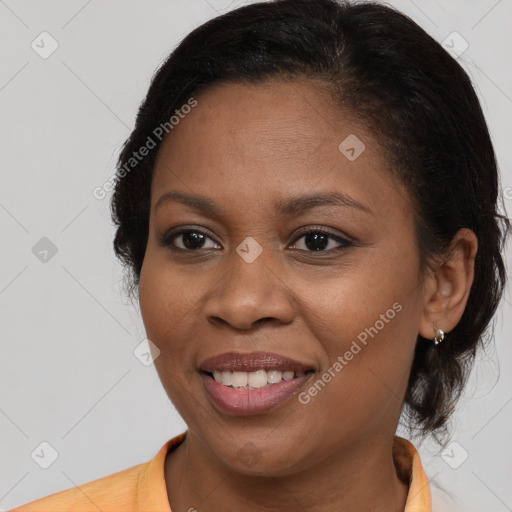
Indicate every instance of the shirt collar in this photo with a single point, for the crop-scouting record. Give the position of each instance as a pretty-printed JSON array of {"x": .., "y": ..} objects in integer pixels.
[
  {"x": 152, "y": 488},
  {"x": 410, "y": 470}
]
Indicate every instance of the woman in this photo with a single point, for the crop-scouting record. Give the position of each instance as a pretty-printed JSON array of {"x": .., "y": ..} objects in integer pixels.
[{"x": 308, "y": 209}]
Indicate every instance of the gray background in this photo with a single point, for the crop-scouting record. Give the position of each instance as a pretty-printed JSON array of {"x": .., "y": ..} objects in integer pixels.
[{"x": 68, "y": 373}]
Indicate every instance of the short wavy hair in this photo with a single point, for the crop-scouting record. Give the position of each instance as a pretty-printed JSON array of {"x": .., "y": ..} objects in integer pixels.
[{"x": 415, "y": 99}]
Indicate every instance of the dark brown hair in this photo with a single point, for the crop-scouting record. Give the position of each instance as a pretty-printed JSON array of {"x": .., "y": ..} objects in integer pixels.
[{"x": 413, "y": 96}]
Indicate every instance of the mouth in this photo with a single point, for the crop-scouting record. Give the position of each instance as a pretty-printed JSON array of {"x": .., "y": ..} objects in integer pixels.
[
  {"x": 252, "y": 383},
  {"x": 253, "y": 361},
  {"x": 258, "y": 379}
]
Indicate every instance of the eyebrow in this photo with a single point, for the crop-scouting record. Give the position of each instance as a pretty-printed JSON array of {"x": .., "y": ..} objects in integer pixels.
[{"x": 289, "y": 206}]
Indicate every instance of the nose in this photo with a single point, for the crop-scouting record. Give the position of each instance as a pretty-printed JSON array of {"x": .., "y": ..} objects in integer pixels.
[{"x": 249, "y": 293}]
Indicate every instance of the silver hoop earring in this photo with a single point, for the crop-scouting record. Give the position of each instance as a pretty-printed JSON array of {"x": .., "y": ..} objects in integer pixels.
[{"x": 438, "y": 335}]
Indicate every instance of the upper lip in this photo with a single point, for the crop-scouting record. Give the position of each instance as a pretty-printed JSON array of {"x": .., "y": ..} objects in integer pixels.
[{"x": 250, "y": 362}]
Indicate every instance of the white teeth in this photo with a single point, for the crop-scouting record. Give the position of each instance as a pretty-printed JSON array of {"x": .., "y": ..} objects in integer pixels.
[
  {"x": 274, "y": 376},
  {"x": 254, "y": 380},
  {"x": 257, "y": 379},
  {"x": 239, "y": 379},
  {"x": 227, "y": 378}
]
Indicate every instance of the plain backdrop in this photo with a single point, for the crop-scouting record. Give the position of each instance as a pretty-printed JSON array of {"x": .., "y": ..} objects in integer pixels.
[{"x": 69, "y": 376}]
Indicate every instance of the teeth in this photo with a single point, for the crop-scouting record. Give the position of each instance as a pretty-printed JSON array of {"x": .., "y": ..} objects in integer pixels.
[
  {"x": 254, "y": 380},
  {"x": 239, "y": 379},
  {"x": 226, "y": 378},
  {"x": 257, "y": 379},
  {"x": 274, "y": 376}
]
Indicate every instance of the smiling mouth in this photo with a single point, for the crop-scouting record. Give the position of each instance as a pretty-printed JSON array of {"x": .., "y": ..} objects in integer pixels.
[{"x": 259, "y": 379}]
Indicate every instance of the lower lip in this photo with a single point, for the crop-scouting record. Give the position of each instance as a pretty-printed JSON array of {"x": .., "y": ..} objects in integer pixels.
[{"x": 252, "y": 401}]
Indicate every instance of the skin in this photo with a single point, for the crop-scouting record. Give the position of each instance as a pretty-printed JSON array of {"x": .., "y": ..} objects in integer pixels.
[{"x": 245, "y": 147}]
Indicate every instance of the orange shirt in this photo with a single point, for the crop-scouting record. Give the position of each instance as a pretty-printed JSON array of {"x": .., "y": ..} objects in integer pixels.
[{"x": 142, "y": 487}]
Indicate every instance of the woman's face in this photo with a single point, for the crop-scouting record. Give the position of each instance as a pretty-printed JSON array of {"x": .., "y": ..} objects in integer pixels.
[{"x": 345, "y": 302}]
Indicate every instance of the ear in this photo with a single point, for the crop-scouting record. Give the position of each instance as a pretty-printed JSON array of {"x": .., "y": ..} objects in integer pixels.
[{"x": 447, "y": 285}]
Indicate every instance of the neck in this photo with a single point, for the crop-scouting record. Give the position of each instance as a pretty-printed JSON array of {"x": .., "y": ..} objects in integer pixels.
[{"x": 361, "y": 477}]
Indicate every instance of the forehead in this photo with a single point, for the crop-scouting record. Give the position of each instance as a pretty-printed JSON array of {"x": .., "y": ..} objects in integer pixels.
[
  {"x": 279, "y": 136},
  {"x": 257, "y": 120}
]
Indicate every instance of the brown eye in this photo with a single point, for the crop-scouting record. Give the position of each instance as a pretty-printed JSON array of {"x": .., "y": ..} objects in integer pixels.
[
  {"x": 190, "y": 240},
  {"x": 320, "y": 240}
]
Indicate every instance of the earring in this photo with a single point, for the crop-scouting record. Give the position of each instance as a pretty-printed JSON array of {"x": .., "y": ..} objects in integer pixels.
[{"x": 438, "y": 335}]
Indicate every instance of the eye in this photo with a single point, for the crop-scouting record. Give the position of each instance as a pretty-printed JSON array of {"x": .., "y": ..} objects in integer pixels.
[
  {"x": 195, "y": 239},
  {"x": 318, "y": 240},
  {"x": 191, "y": 239}
]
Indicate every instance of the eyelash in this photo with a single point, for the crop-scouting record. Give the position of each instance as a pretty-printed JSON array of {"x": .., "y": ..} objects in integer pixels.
[{"x": 167, "y": 239}]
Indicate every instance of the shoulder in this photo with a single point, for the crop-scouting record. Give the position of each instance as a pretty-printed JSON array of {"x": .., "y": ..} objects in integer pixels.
[
  {"x": 140, "y": 487},
  {"x": 112, "y": 492}
]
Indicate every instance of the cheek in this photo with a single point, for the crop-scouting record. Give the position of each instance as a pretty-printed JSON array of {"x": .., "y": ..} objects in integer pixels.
[
  {"x": 164, "y": 303},
  {"x": 370, "y": 297},
  {"x": 153, "y": 299},
  {"x": 165, "y": 289},
  {"x": 165, "y": 306},
  {"x": 367, "y": 321},
  {"x": 363, "y": 383}
]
